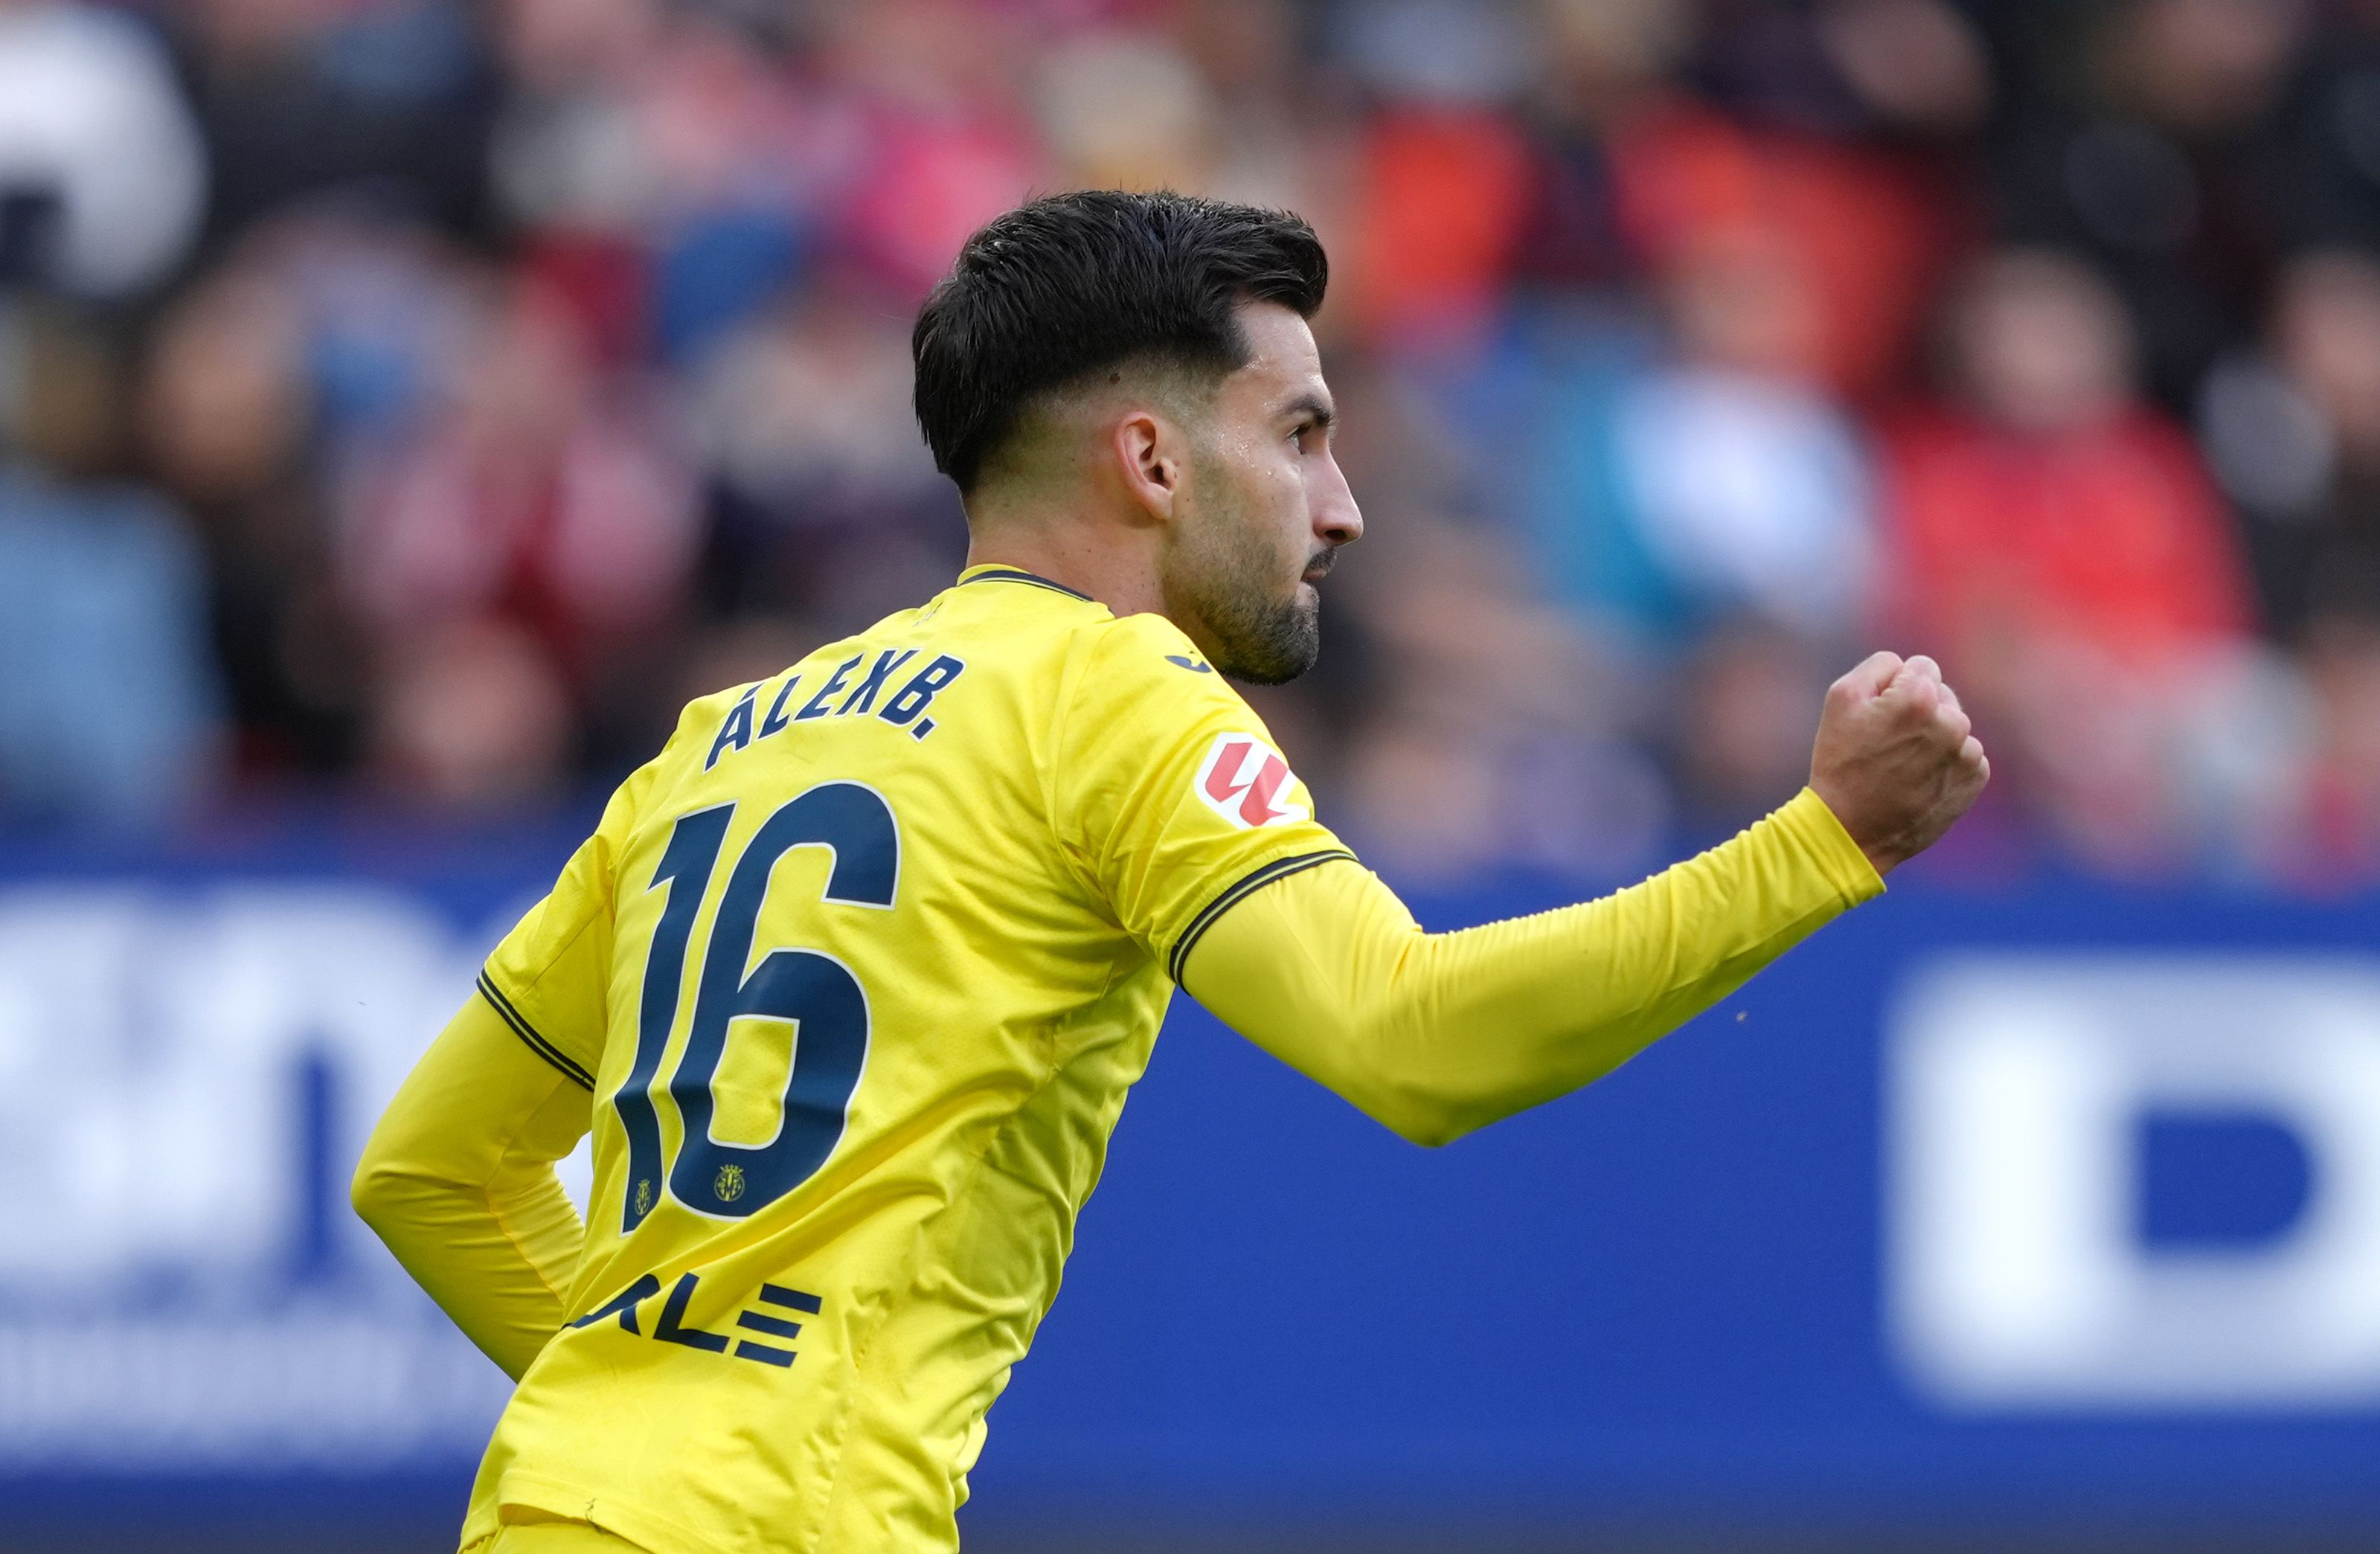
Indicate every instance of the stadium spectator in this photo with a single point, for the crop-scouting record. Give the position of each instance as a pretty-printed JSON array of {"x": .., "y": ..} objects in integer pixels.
[
  {"x": 538, "y": 490},
  {"x": 109, "y": 711},
  {"x": 2165, "y": 158},
  {"x": 102, "y": 607},
  {"x": 933, "y": 91},
  {"x": 378, "y": 104},
  {"x": 2045, "y": 523},
  {"x": 471, "y": 715},
  {"x": 227, "y": 412},
  {"x": 1444, "y": 190},
  {"x": 1602, "y": 68},
  {"x": 1677, "y": 485},
  {"x": 102, "y": 177},
  {"x": 826, "y": 510},
  {"x": 1747, "y": 486},
  {"x": 2046, "y": 500},
  {"x": 1865, "y": 230},
  {"x": 2294, "y": 431},
  {"x": 1271, "y": 133}
]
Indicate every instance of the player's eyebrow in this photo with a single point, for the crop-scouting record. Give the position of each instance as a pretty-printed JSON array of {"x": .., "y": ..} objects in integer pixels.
[{"x": 1310, "y": 406}]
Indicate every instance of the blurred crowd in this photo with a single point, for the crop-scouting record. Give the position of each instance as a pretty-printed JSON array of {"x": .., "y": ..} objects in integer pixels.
[{"x": 418, "y": 400}]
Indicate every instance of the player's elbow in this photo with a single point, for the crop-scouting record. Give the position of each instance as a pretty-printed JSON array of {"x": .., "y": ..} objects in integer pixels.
[
  {"x": 371, "y": 1193},
  {"x": 1432, "y": 1127},
  {"x": 1414, "y": 1112},
  {"x": 1430, "y": 1132},
  {"x": 381, "y": 1189},
  {"x": 1396, "y": 1085}
]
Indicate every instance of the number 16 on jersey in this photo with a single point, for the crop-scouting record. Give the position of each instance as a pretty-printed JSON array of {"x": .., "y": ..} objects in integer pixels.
[{"x": 814, "y": 992}]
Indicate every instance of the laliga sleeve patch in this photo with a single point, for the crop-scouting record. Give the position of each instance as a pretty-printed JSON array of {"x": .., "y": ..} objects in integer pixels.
[{"x": 1246, "y": 781}]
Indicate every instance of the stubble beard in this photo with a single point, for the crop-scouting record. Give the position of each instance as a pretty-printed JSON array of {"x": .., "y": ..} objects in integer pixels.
[
  {"x": 1265, "y": 642},
  {"x": 1226, "y": 584}
]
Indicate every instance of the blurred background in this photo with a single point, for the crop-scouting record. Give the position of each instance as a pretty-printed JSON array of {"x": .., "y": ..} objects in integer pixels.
[{"x": 407, "y": 405}]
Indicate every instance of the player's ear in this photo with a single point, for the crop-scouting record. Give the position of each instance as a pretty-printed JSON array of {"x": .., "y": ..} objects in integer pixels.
[{"x": 1149, "y": 456}]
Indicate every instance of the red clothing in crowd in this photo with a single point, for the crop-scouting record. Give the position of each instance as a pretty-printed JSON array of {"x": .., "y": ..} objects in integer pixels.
[
  {"x": 1869, "y": 230},
  {"x": 2110, "y": 532}
]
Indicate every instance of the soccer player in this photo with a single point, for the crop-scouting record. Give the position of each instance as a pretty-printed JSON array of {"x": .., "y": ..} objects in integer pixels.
[{"x": 850, "y": 981}]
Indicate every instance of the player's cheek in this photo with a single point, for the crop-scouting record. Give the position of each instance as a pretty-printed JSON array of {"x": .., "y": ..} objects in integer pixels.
[{"x": 1293, "y": 517}]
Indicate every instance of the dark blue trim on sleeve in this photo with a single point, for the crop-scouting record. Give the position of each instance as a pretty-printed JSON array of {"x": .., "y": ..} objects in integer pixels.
[
  {"x": 1279, "y": 868},
  {"x": 527, "y": 1033}
]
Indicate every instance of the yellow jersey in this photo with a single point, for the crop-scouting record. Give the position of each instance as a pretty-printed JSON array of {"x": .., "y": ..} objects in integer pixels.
[{"x": 858, "y": 971}]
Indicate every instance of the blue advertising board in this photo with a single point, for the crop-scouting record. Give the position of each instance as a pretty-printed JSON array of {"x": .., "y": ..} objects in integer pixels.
[{"x": 2049, "y": 1206}]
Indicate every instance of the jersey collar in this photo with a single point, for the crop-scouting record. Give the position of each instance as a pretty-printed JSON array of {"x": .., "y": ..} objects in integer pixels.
[{"x": 988, "y": 573}]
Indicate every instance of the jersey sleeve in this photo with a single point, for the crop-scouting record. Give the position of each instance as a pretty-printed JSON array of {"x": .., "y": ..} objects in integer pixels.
[
  {"x": 1437, "y": 1034},
  {"x": 1168, "y": 792},
  {"x": 458, "y": 1179},
  {"x": 548, "y": 977}
]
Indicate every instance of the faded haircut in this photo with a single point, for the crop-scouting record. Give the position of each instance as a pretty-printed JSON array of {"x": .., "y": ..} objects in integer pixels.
[{"x": 1075, "y": 284}]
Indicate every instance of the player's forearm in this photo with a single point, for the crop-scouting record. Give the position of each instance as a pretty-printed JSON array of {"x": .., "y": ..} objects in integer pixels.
[
  {"x": 495, "y": 1257},
  {"x": 1437, "y": 1034},
  {"x": 458, "y": 1180}
]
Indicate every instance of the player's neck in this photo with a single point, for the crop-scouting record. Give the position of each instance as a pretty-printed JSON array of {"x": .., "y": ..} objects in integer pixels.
[{"x": 1114, "y": 565}]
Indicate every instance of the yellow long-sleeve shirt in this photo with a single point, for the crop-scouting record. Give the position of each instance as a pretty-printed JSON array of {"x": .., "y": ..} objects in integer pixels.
[{"x": 850, "y": 984}]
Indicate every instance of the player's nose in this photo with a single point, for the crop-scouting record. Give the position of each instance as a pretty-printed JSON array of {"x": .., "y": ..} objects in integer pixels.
[{"x": 1336, "y": 519}]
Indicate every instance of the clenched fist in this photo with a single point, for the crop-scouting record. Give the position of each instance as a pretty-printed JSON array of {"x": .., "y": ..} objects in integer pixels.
[{"x": 1896, "y": 759}]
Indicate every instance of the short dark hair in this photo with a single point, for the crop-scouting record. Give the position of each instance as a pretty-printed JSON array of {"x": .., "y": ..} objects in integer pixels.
[{"x": 1074, "y": 284}]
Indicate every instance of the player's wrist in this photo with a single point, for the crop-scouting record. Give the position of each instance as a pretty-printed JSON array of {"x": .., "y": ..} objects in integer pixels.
[{"x": 1880, "y": 855}]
